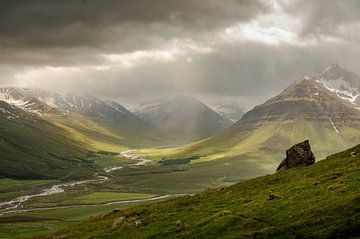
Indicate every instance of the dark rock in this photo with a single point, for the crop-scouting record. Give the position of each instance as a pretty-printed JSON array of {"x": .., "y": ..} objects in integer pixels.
[
  {"x": 116, "y": 210},
  {"x": 179, "y": 226},
  {"x": 271, "y": 197},
  {"x": 316, "y": 183},
  {"x": 298, "y": 155}
]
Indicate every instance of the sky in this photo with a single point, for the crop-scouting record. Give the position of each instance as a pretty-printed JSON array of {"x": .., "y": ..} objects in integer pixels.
[{"x": 133, "y": 51}]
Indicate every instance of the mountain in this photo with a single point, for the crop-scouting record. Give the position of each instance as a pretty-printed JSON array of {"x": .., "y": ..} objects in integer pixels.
[
  {"x": 343, "y": 83},
  {"x": 19, "y": 98},
  {"x": 50, "y": 135},
  {"x": 105, "y": 124},
  {"x": 307, "y": 109},
  {"x": 182, "y": 117},
  {"x": 32, "y": 147},
  {"x": 230, "y": 110},
  {"x": 318, "y": 201},
  {"x": 85, "y": 105}
]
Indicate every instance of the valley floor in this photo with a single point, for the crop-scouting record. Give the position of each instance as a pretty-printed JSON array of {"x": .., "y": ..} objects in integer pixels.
[{"x": 126, "y": 180}]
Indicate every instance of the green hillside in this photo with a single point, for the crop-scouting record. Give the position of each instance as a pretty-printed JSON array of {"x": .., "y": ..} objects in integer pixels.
[
  {"x": 32, "y": 147},
  {"x": 318, "y": 201}
]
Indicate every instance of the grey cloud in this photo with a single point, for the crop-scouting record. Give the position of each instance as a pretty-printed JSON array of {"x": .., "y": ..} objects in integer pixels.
[
  {"x": 89, "y": 23},
  {"x": 323, "y": 17}
]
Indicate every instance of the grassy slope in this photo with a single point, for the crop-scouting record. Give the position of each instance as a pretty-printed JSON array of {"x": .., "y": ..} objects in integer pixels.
[
  {"x": 41, "y": 150},
  {"x": 37, "y": 223},
  {"x": 266, "y": 140},
  {"x": 319, "y": 201}
]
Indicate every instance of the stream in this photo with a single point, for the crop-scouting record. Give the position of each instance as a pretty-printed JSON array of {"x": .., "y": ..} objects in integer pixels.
[{"x": 60, "y": 188}]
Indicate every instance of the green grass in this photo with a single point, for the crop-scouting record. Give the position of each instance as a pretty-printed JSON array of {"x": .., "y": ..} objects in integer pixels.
[
  {"x": 102, "y": 197},
  {"x": 25, "y": 225},
  {"x": 262, "y": 141},
  {"x": 34, "y": 148},
  {"x": 319, "y": 201},
  {"x": 10, "y": 188}
]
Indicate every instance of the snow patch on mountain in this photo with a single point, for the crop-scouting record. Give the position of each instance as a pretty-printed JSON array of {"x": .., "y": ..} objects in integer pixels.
[
  {"x": 344, "y": 84},
  {"x": 6, "y": 94}
]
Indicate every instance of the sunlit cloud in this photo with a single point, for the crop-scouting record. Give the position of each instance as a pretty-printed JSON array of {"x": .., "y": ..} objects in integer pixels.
[
  {"x": 273, "y": 28},
  {"x": 179, "y": 48},
  {"x": 173, "y": 51}
]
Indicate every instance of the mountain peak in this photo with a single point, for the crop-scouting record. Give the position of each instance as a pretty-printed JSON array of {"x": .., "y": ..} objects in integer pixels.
[
  {"x": 345, "y": 84},
  {"x": 334, "y": 70}
]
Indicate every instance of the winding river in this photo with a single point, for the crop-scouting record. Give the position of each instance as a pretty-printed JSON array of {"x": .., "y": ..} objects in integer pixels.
[{"x": 60, "y": 188}]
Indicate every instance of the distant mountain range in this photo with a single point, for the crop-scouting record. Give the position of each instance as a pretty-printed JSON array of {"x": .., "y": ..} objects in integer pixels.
[{"x": 182, "y": 116}]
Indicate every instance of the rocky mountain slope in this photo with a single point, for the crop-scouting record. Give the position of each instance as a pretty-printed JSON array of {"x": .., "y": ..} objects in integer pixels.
[
  {"x": 343, "y": 83},
  {"x": 182, "y": 117},
  {"x": 317, "y": 201}
]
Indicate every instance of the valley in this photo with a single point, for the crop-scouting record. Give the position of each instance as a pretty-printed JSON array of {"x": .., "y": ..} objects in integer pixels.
[
  {"x": 201, "y": 119},
  {"x": 66, "y": 158}
]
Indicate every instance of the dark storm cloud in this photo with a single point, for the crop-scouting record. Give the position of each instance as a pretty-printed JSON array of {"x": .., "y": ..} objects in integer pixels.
[{"x": 97, "y": 23}]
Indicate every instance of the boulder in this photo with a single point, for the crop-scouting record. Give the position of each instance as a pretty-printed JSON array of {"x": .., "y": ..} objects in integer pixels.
[
  {"x": 179, "y": 226},
  {"x": 297, "y": 156},
  {"x": 271, "y": 197}
]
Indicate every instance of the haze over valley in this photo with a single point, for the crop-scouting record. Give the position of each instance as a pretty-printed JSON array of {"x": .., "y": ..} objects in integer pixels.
[{"x": 125, "y": 116}]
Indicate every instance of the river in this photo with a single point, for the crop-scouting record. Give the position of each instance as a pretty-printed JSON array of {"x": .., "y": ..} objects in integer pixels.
[{"x": 60, "y": 188}]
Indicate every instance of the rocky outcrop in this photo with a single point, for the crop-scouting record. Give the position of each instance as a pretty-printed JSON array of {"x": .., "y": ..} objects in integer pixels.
[
  {"x": 179, "y": 226},
  {"x": 298, "y": 155}
]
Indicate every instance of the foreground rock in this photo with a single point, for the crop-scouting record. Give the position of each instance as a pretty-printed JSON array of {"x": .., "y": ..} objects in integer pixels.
[
  {"x": 297, "y": 156},
  {"x": 179, "y": 226}
]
